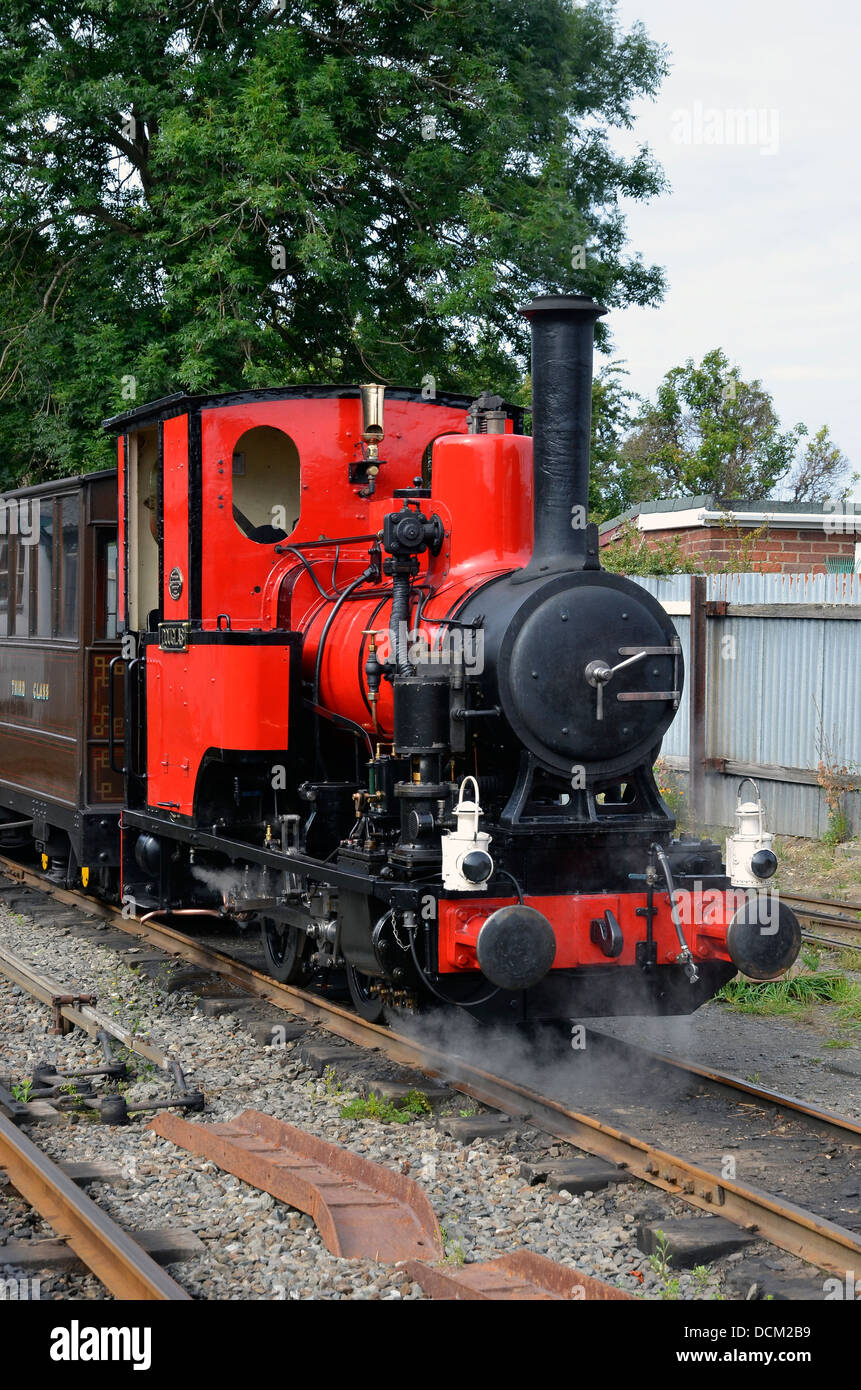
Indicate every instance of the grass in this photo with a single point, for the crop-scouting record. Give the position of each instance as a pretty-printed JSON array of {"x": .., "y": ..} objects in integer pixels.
[
  {"x": 849, "y": 1012},
  {"x": 794, "y": 995},
  {"x": 849, "y": 959},
  {"x": 414, "y": 1103}
]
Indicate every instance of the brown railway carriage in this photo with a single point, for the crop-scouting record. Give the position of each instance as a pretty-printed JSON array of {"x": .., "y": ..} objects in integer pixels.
[{"x": 58, "y": 636}]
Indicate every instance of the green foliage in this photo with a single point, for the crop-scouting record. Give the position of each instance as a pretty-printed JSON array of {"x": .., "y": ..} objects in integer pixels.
[
  {"x": 210, "y": 197},
  {"x": 414, "y": 1103},
  {"x": 708, "y": 431},
  {"x": 822, "y": 471},
  {"x": 670, "y": 786},
  {"x": 660, "y": 1262},
  {"x": 793, "y": 994},
  {"x": 22, "y": 1090},
  {"x": 613, "y": 407},
  {"x": 633, "y": 553},
  {"x": 838, "y": 830}
]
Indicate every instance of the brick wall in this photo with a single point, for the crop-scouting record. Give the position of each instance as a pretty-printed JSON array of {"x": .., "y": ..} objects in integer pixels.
[{"x": 790, "y": 551}]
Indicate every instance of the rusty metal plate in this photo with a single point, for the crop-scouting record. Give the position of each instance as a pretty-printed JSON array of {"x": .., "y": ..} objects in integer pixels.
[
  {"x": 361, "y": 1209},
  {"x": 521, "y": 1276}
]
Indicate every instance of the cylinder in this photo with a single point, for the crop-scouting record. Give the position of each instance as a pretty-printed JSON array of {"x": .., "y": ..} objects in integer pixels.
[
  {"x": 563, "y": 329},
  {"x": 421, "y": 714}
]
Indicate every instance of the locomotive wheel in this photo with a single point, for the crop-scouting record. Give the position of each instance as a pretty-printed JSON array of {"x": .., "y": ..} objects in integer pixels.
[
  {"x": 367, "y": 1005},
  {"x": 285, "y": 950}
]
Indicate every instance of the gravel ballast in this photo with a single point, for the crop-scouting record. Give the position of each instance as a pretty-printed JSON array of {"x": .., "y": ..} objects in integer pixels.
[{"x": 256, "y": 1247}]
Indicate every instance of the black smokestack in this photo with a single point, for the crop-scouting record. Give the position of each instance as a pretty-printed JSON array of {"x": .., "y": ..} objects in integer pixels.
[{"x": 563, "y": 330}]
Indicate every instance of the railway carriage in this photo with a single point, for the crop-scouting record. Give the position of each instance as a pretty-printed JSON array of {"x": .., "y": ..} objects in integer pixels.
[{"x": 58, "y": 637}]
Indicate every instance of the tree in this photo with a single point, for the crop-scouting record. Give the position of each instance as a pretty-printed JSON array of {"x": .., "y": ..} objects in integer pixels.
[
  {"x": 610, "y": 481},
  {"x": 208, "y": 196},
  {"x": 822, "y": 471},
  {"x": 708, "y": 431}
]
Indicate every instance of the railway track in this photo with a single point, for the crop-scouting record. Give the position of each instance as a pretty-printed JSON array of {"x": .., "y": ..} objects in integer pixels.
[
  {"x": 832, "y": 915},
  {"x": 806, "y": 1233},
  {"x": 124, "y": 1268}
]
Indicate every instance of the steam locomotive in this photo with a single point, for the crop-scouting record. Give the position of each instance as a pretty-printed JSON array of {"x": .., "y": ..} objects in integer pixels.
[{"x": 362, "y": 683}]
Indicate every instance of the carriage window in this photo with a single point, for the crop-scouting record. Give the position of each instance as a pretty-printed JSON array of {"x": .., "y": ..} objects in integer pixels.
[
  {"x": 266, "y": 488},
  {"x": 106, "y": 585},
  {"x": 67, "y": 617},
  {"x": 4, "y": 586},
  {"x": 43, "y": 577},
  {"x": 22, "y": 552}
]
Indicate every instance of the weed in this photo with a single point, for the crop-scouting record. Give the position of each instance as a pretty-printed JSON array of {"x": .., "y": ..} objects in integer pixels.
[
  {"x": 69, "y": 1088},
  {"x": 455, "y": 1253},
  {"x": 660, "y": 1263},
  {"x": 23, "y": 1090},
  {"x": 413, "y": 1104},
  {"x": 849, "y": 959},
  {"x": 836, "y": 779},
  {"x": 811, "y": 957},
  {"x": 331, "y": 1084},
  {"x": 660, "y": 1259},
  {"x": 792, "y": 996},
  {"x": 670, "y": 788},
  {"x": 849, "y": 1001},
  {"x": 838, "y": 1042}
]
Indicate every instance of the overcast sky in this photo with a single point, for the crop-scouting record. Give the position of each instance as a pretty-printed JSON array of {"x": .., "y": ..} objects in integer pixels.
[{"x": 759, "y": 239}]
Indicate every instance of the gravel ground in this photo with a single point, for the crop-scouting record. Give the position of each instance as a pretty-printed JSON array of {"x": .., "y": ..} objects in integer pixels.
[
  {"x": 809, "y": 1057},
  {"x": 257, "y": 1247}
]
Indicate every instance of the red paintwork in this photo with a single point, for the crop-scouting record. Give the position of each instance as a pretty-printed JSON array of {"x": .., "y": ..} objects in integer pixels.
[
  {"x": 327, "y": 434},
  {"x": 236, "y": 698},
  {"x": 175, "y": 504},
  {"x": 210, "y": 697},
  {"x": 482, "y": 490},
  {"x": 571, "y": 916},
  {"x": 121, "y": 527}
]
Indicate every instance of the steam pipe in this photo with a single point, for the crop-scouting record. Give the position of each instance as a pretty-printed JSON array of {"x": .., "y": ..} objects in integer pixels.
[{"x": 563, "y": 329}]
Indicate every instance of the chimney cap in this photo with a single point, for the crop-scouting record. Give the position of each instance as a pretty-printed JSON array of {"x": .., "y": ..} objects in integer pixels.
[{"x": 563, "y": 303}]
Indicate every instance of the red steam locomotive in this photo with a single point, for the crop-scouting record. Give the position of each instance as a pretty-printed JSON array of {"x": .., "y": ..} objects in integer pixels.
[{"x": 381, "y": 699}]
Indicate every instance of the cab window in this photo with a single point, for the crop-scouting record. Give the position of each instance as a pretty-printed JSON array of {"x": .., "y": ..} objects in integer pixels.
[{"x": 266, "y": 484}]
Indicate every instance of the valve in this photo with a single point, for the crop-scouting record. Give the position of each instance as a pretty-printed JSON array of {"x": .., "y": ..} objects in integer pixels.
[{"x": 409, "y": 532}]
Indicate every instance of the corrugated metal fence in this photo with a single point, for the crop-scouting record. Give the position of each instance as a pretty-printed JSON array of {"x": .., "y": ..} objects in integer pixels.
[{"x": 782, "y": 685}]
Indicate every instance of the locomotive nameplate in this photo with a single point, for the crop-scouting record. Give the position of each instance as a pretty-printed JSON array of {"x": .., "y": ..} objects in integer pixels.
[
  {"x": 173, "y": 637},
  {"x": 174, "y": 583}
]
